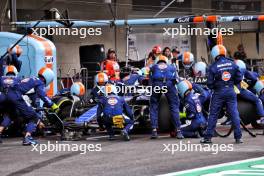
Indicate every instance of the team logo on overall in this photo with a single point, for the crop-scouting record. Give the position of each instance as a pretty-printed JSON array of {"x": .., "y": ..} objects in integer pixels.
[
  {"x": 25, "y": 80},
  {"x": 162, "y": 66},
  {"x": 198, "y": 108},
  {"x": 112, "y": 101},
  {"x": 8, "y": 81},
  {"x": 226, "y": 76}
]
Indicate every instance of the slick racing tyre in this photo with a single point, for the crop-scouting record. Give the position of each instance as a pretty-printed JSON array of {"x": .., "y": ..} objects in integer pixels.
[
  {"x": 223, "y": 126},
  {"x": 247, "y": 112},
  {"x": 247, "y": 115},
  {"x": 65, "y": 105},
  {"x": 165, "y": 123}
]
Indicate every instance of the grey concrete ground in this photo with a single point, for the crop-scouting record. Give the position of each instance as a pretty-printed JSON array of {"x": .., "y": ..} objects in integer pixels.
[{"x": 140, "y": 156}]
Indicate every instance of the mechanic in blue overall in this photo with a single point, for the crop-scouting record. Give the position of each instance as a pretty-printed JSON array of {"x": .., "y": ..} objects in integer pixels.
[
  {"x": 187, "y": 60},
  {"x": 100, "y": 80},
  {"x": 223, "y": 75},
  {"x": 134, "y": 78},
  {"x": 200, "y": 70},
  {"x": 112, "y": 107},
  {"x": 162, "y": 75},
  {"x": 244, "y": 92},
  {"x": 11, "y": 59},
  {"x": 9, "y": 85},
  {"x": 38, "y": 85},
  {"x": 6, "y": 121},
  {"x": 196, "y": 122},
  {"x": 259, "y": 88}
]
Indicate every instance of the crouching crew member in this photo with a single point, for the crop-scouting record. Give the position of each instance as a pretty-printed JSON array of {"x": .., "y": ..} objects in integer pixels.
[
  {"x": 100, "y": 80},
  {"x": 6, "y": 121},
  {"x": 259, "y": 88},
  {"x": 196, "y": 122},
  {"x": 110, "y": 112},
  {"x": 223, "y": 74},
  {"x": 247, "y": 94},
  {"x": 12, "y": 95},
  {"x": 38, "y": 85},
  {"x": 164, "y": 75}
]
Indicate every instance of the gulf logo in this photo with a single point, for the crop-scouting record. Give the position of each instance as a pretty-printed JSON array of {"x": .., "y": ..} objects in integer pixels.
[
  {"x": 162, "y": 66},
  {"x": 112, "y": 101},
  {"x": 226, "y": 76}
]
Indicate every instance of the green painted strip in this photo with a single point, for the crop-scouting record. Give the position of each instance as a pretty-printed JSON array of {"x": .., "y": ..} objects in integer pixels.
[{"x": 250, "y": 167}]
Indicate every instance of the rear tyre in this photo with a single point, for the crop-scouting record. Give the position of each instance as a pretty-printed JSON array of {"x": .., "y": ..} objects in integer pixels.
[{"x": 165, "y": 123}]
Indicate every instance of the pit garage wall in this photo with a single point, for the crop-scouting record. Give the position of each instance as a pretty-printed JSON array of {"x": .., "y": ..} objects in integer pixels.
[
  {"x": 249, "y": 42},
  {"x": 68, "y": 46}
]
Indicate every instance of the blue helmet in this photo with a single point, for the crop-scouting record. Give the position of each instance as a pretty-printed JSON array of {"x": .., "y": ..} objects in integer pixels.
[
  {"x": 241, "y": 64},
  {"x": 47, "y": 74},
  {"x": 10, "y": 69},
  {"x": 218, "y": 50},
  {"x": 199, "y": 69},
  {"x": 183, "y": 87},
  {"x": 78, "y": 89},
  {"x": 259, "y": 86}
]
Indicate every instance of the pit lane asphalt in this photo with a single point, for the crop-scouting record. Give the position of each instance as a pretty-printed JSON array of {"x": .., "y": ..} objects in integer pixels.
[{"x": 140, "y": 156}]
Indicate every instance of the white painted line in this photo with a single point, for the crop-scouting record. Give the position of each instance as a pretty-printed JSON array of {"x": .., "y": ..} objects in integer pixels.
[
  {"x": 212, "y": 166},
  {"x": 98, "y": 137}
]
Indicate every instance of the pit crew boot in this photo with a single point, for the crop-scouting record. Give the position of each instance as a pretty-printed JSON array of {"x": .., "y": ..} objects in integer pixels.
[
  {"x": 111, "y": 137},
  {"x": 125, "y": 135},
  {"x": 239, "y": 141},
  {"x": 205, "y": 141},
  {"x": 261, "y": 121},
  {"x": 179, "y": 134},
  {"x": 154, "y": 134},
  {"x": 28, "y": 140}
]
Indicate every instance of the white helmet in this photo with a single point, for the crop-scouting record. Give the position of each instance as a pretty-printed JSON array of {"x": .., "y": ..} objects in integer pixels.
[
  {"x": 47, "y": 74},
  {"x": 78, "y": 89},
  {"x": 187, "y": 59},
  {"x": 218, "y": 50},
  {"x": 161, "y": 58},
  {"x": 10, "y": 69},
  {"x": 241, "y": 65},
  {"x": 199, "y": 69},
  {"x": 101, "y": 79}
]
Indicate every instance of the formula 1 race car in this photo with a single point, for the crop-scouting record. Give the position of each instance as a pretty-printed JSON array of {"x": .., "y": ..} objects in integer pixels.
[{"x": 79, "y": 115}]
